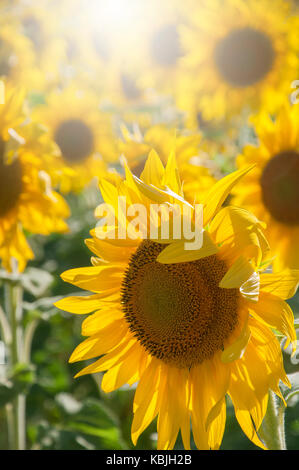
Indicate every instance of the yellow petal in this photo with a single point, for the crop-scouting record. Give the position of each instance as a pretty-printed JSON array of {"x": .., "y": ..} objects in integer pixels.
[
  {"x": 249, "y": 395},
  {"x": 251, "y": 378},
  {"x": 219, "y": 192},
  {"x": 100, "y": 319},
  {"x": 146, "y": 399},
  {"x": 107, "y": 251},
  {"x": 100, "y": 343},
  {"x": 276, "y": 313},
  {"x": 237, "y": 274},
  {"x": 266, "y": 348},
  {"x": 241, "y": 232},
  {"x": 165, "y": 195},
  {"x": 83, "y": 304},
  {"x": 176, "y": 252},
  {"x": 219, "y": 373},
  {"x": 209, "y": 382},
  {"x": 283, "y": 284},
  {"x": 153, "y": 172},
  {"x": 245, "y": 421},
  {"x": 250, "y": 290},
  {"x": 109, "y": 193},
  {"x": 95, "y": 278},
  {"x": 126, "y": 372},
  {"x": 111, "y": 359},
  {"x": 173, "y": 407},
  {"x": 151, "y": 192},
  {"x": 215, "y": 412},
  {"x": 110, "y": 238},
  {"x": 237, "y": 349},
  {"x": 131, "y": 185},
  {"x": 172, "y": 178}
]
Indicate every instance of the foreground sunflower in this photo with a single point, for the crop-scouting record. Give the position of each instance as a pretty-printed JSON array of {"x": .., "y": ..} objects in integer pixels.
[
  {"x": 244, "y": 58},
  {"x": 27, "y": 200},
  {"x": 83, "y": 136},
  {"x": 189, "y": 325},
  {"x": 271, "y": 190}
]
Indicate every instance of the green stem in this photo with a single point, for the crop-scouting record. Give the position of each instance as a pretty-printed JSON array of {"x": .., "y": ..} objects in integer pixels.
[
  {"x": 4, "y": 327},
  {"x": 28, "y": 337},
  {"x": 13, "y": 307},
  {"x": 272, "y": 429},
  {"x": 10, "y": 425}
]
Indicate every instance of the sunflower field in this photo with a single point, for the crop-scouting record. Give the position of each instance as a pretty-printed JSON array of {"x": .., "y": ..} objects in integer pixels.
[{"x": 149, "y": 225}]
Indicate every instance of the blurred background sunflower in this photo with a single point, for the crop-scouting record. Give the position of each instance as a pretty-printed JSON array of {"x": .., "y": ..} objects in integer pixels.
[
  {"x": 82, "y": 133},
  {"x": 16, "y": 54},
  {"x": 27, "y": 199},
  {"x": 239, "y": 60},
  {"x": 272, "y": 189}
]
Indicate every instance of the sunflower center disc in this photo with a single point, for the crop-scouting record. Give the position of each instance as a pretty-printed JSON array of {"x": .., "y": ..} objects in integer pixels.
[
  {"x": 33, "y": 30},
  {"x": 177, "y": 311},
  {"x": 10, "y": 183},
  {"x": 280, "y": 187},
  {"x": 75, "y": 140},
  {"x": 129, "y": 87},
  {"x": 244, "y": 57},
  {"x": 165, "y": 46}
]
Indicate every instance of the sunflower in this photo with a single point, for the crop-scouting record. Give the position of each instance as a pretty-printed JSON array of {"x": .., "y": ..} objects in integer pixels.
[
  {"x": 101, "y": 58},
  {"x": 27, "y": 200},
  {"x": 162, "y": 48},
  {"x": 272, "y": 188},
  {"x": 123, "y": 88},
  {"x": 245, "y": 57},
  {"x": 134, "y": 53},
  {"x": 16, "y": 54},
  {"x": 192, "y": 154},
  {"x": 39, "y": 25},
  {"x": 86, "y": 60},
  {"x": 83, "y": 136},
  {"x": 190, "y": 326}
]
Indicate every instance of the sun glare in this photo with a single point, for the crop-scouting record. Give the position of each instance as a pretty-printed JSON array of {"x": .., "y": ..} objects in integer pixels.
[{"x": 116, "y": 16}]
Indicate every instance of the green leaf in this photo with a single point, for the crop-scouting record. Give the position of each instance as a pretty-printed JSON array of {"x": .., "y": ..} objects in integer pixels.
[
  {"x": 92, "y": 418},
  {"x": 86, "y": 425},
  {"x": 36, "y": 281},
  {"x": 7, "y": 392},
  {"x": 292, "y": 393},
  {"x": 33, "y": 280},
  {"x": 18, "y": 381},
  {"x": 23, "y": 374},
  {"x": 50, "y": 437},
  {"x": 36, "y": 98}
]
